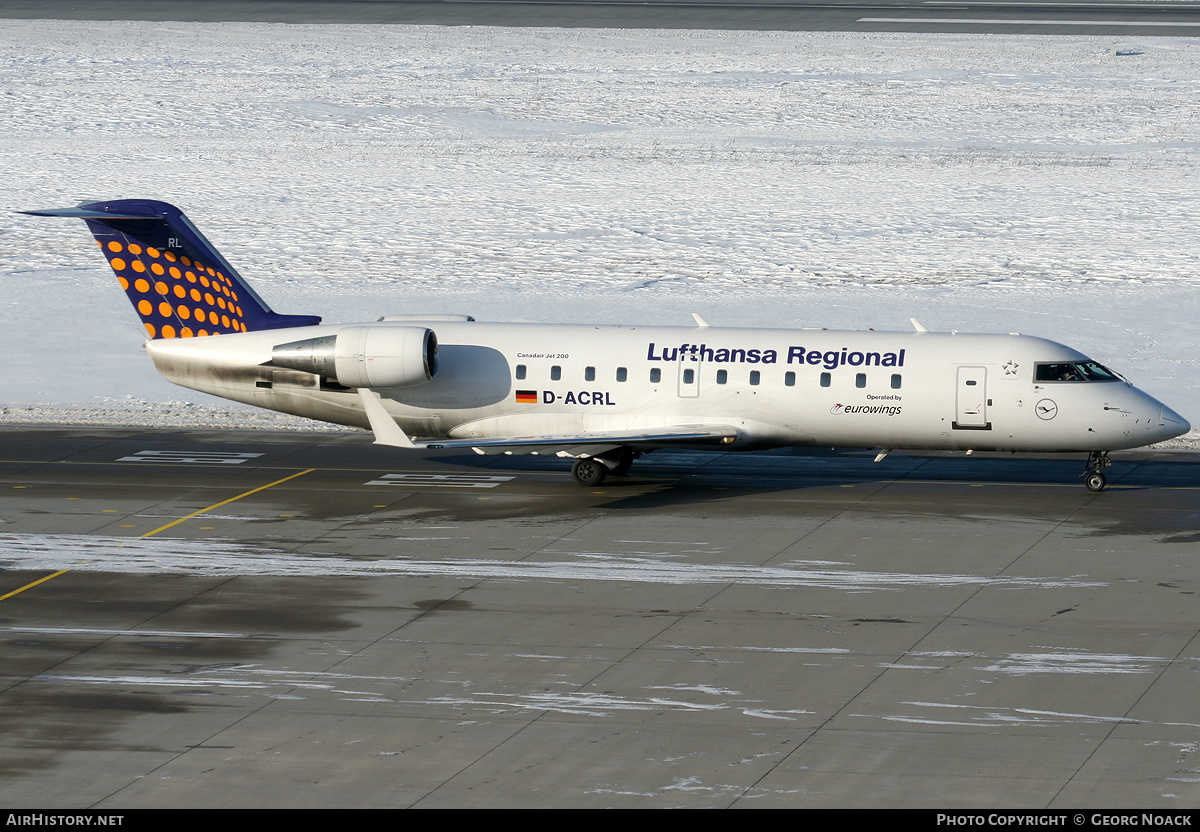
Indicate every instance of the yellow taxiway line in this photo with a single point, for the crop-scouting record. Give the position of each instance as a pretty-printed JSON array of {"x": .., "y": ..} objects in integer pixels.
[{"x": 169, "y": 525}]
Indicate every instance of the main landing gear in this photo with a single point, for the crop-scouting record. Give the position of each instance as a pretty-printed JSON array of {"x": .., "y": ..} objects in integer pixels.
[
  {"x": 591, "y": 471},
  {"x": 625, "y": 461},
  {"x": 1097, "y": 461}
]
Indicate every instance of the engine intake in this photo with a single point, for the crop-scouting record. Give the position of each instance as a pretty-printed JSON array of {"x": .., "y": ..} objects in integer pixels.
[{"x": 365, "y": 356}]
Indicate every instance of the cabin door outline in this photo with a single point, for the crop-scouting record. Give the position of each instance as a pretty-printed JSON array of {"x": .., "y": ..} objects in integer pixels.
[{"x": 970, "y": 399}]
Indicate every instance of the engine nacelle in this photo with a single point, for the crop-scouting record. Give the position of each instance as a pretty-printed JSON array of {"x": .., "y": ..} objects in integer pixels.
[{"x": 365, "y": 356}]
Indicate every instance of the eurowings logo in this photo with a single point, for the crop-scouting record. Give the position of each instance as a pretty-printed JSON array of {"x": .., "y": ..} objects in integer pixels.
[{"x": 869, "y": 409}]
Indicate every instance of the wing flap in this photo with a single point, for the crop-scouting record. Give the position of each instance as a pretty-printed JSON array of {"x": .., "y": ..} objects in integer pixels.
[{"x": 590, "y": 444}]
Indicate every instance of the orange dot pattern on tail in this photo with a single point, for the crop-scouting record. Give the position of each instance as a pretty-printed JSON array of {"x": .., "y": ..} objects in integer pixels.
[
  {"x": 175, "y": 296},
  {"x": 166, "y": 266}
]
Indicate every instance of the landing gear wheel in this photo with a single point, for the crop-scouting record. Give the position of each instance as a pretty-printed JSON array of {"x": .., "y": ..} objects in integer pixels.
[
  {"x": 589, "y": 472},
  {"x": 1097, "y": 461}
]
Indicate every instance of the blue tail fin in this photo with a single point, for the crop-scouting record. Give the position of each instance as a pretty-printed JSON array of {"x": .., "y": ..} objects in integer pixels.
[{"x": 178, "y": 283}]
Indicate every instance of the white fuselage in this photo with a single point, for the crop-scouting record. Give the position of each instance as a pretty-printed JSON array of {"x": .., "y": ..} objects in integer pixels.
[{"x": 776, "y": 387}]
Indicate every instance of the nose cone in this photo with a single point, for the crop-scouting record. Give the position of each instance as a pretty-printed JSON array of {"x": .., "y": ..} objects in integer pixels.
[{"x": 1170, "y": 424}]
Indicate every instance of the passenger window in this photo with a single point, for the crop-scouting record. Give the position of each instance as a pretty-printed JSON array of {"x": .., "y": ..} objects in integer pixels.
[
  {"x": 689, "y": 376},
  {"x": 722, "y": 376},
  {"x": 555, "y": 373},
  {"x": 655, "y": 376},
  {"x": 589, "y": 374},
  {"x": 754, "y": 377},
  {"x": 622, "y": 374},
  {"x": 789, "y": 379},
  {"x": 520, "y": 371},
  {"x": 860, "y": 380},
  {"x": 896, "y": 381},
  {"x": 826, "y": 379}
]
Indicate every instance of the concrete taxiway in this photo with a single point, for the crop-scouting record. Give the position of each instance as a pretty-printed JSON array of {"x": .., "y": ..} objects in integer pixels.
[{"x": 270, "y": 619}]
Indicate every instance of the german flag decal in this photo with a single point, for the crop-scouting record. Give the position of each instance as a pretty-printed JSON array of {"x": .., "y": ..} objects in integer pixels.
[{"x": 527, "y": 397}]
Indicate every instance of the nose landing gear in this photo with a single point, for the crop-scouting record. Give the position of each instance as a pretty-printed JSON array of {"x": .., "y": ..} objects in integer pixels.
[{"x": 1092, "y": 478}]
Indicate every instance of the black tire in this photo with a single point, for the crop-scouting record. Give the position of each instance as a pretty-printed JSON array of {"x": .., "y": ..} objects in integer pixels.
[
  {"x": 589, "y": 472},
  {"x": 1095, "y": 481}
]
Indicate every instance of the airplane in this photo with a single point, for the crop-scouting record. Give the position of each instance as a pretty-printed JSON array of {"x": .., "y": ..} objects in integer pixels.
[{"x": 606, "y": 395}]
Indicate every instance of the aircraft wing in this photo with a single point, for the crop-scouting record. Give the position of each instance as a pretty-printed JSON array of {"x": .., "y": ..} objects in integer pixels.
[
  {"x": 387, "y": 432},
  {"x": 591, "y": 444}
]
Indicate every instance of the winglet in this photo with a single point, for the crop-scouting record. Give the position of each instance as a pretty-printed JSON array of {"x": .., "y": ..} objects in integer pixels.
[
  {"x": 700, "y": 322},
  {"x": 917, "y": 325},
  {"x": 386, "y": 431}
]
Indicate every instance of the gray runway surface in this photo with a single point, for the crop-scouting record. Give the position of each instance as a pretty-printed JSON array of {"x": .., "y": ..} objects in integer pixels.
[
  {"x": 410, "y": 629},
  {"x": 1121, "y": 19}
]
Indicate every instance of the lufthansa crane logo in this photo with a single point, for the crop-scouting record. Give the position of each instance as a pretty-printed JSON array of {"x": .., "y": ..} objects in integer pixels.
[{"x": 1046, "y": 409}]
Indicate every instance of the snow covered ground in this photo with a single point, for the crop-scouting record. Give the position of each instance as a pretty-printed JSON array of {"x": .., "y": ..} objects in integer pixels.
[{"x": 982, "y": 183}]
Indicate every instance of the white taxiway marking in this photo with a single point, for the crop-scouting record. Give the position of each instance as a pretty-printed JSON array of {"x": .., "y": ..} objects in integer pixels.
[
  {"x": 1005, "y": 3},
  {"x": 1002, "y": 22},
  {"x": 441, "y": 480},
  {"x": 91, "y": 631},
  {"x": 199, "y": 457}
]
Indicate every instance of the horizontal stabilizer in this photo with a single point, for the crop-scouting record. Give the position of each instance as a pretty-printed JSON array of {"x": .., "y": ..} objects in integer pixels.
[{"x": 87, "y": 214}]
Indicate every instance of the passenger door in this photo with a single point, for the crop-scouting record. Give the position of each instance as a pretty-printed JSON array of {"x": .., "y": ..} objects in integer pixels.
[{"x": 971, "y": 399}]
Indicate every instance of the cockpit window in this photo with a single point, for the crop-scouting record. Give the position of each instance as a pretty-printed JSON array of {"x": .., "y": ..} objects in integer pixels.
[
  {"x": 1092, "y": 371},
  {"x": 1075, "y": 371}
]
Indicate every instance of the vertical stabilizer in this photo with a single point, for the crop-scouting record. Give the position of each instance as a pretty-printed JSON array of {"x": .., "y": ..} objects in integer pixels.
[{"x": 178, "y": 283}]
